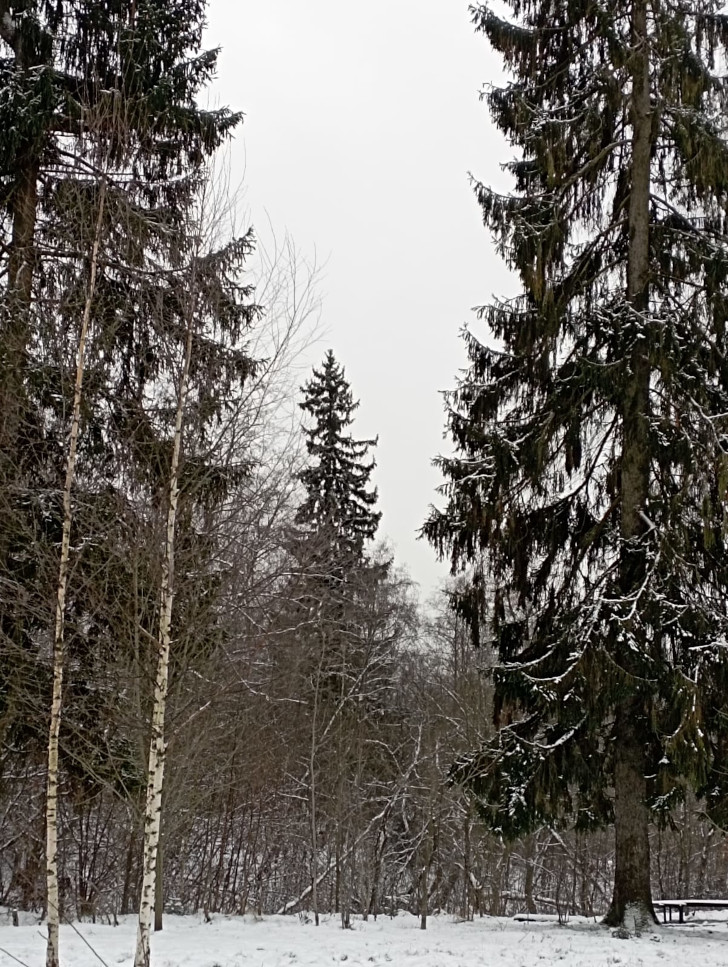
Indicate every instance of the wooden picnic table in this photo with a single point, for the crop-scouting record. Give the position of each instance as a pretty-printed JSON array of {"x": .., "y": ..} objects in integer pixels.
[{"x": 680, "y": 906}]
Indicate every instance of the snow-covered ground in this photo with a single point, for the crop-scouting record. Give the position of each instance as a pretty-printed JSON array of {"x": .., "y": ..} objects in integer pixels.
[{"x": 290, "y": 942}]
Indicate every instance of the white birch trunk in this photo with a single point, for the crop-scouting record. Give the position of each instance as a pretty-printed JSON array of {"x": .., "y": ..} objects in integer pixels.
[
  {"x": 52, "y": 893},
  {"x": 157, "y": 747}
]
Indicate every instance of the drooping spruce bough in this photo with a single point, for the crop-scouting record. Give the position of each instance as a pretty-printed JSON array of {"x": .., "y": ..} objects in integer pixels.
[{"x": 587, "y": 492}]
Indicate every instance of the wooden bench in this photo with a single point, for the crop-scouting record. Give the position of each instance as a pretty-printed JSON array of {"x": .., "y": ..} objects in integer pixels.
[{"x": 681, "y": 906}]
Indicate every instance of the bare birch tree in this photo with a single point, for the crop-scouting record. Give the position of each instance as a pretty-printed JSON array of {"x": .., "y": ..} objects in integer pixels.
[
  {"x": 52, "y": 892},
  {"x": 157, "y": 746},
  {"x": 215, "y": 310}
]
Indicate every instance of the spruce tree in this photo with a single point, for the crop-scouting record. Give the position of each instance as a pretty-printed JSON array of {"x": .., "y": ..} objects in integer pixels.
[
  {"x": 87, "y": 84},
  {"x": 95, "y": 93},
  {"x": 335, "y": 603},
  {"x": 90, "y": 92},
  {"x": 99, "y": 100},
  {"x": 587, "y": 488},
  {"x": 337, "y": 512}
]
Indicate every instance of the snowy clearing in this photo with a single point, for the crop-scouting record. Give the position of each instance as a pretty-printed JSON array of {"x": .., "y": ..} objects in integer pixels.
[{"x": 289, "y": 942}]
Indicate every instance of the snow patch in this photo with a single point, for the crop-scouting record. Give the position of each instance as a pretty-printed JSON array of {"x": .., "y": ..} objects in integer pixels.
[{"x": 278, "y": 941}]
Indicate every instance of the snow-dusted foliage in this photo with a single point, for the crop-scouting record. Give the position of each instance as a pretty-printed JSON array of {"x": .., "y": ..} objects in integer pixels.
[
  {"x": 588, "y": 487},
  {"x": 102, "y": 153},
  {"x": 338, "y": 507}
]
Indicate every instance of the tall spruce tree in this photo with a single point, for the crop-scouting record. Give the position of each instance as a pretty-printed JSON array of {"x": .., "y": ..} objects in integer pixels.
[
  {"x": 98, "y": 100},
  {"x": 334, "y": 608},
  {"x": 588, "y": 486},
  {"x": 337, "y": 512},
  {"x": 90, "y": 92}
]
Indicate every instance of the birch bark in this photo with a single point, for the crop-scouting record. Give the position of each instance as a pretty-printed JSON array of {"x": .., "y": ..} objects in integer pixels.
[
  {"x": 52, "y": 894},
  {"x": 157, "y": 747}
]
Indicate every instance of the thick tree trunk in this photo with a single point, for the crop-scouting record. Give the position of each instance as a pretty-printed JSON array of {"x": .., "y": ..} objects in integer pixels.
[
  {"x": 15, "y": 308},
  {"x": 21, "y": 261},
  {"x": 52, "y": 893},
  {"x": 632, "y": 900},
  {"x": 17, "y": 328},
  {"x": 21, "y": 256},
  {"x": 158, "y": 746}
]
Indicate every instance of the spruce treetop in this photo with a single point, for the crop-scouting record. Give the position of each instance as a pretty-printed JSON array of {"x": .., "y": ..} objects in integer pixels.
[{"x": 338, "y": 507}]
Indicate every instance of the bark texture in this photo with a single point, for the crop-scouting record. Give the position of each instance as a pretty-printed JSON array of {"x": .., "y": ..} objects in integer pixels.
[
  {"x": 21, "y": 258},
  {"x": 632, "y": 900},
  {"x": 157, "y": 747},
  {"x": 52, "y": 892}
]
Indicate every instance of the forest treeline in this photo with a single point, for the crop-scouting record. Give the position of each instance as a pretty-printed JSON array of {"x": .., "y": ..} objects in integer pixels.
[{"x": 218, "y": 692}]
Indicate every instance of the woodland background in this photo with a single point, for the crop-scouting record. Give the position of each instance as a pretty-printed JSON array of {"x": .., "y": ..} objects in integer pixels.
[{"x": 183, "y": 560}]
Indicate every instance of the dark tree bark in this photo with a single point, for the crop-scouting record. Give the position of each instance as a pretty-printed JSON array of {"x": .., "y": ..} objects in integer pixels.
[
  {"x": 21, "y": 259},
  {"x": 632, "y": 898},
  {"x": 631, "y": 817}
]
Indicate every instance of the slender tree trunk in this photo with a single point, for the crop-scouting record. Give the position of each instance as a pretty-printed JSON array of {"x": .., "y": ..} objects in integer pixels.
[
  {"x": 345, "y": 879},
  {"x": 52, "y": 892},
  {"x": 314, "y": 832},
  {"x": 379, "y": 847},
  {"x": 159, "y": 888},
  {"x": 157, "y": 746},
  {"x": 424, "y": 874},
  {"x": 313, "y": 805},
  {"x": 500, "y": 883},
  {"x": 423, "y": 894},
  {"x": 632, "y": 899},
  {"x": 131, "y": 852},
  {"x": 686, "y": 851},
  {"x": 530, "y": 856}
]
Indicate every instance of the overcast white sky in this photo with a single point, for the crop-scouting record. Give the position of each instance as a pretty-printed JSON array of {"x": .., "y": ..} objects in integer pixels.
[{"x": 362, "y": 123}]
